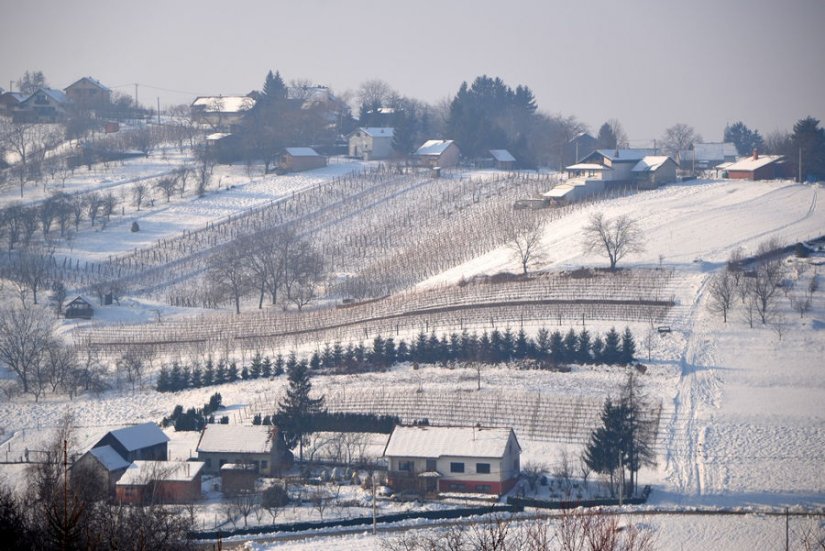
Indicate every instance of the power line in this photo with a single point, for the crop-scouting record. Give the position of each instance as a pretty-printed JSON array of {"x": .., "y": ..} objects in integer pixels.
[{"x": 159, "y": 88}]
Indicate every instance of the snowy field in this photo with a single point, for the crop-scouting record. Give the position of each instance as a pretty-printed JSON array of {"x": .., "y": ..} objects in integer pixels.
[{"x": 745, "y": 407}]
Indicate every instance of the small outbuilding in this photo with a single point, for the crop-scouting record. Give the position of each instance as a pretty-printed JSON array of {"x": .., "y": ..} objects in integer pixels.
[
  {"x": 78, "y": 308},
  {"x": 238, "y": 478},
  {"x": 430, "y": 460},
  {"x": 298, "y": 159},
  {"x": 160, "y": 482},
  {"x": 502, "y": 159},
  {"x": 88, "y": 92},
  {"x": 437, "y": 153},
  {"x": 103, "y": 463}
]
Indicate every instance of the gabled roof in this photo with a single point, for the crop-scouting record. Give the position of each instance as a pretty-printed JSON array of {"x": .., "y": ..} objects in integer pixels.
[
  {"x": 624, "y": 155},
  {"x": 90, "y": 80},
  {"x": 434, "y": 147},
  {"x": 377, "y": 131},
  {"x": 56, "y": 95},
  {"x": 235, "y": 438},
  {"x": 143, "y": 472},
  {"x": 749, "y": 163},
  {"x": 139, "y": 436},
  {"x": 224, "y": 104},
  {"x": 109, "y": 458},
  {"x": 426, "y": 441},
  {"x": 711, "y": 152},
  {"x": 587, "y": 166},
  {"x": 651, "y": 163},
  {"x": 559, "y": 191},
  {"x": 79, "y": 300},
  {"x": 301, "y": 152},
  {"x": 502, "y": 156},
  {"x": 16, "y": 96}
]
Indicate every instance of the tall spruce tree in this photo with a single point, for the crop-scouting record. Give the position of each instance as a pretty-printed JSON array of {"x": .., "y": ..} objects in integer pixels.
[
  {"x": 628, "y": 346},
  {"x": 611, "y": 353},
  {"x": 296, "y": 408}
]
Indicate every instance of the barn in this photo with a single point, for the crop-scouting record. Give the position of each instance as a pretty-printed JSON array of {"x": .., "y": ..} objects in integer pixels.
[
  {"x": 145, "y": 441},
  {"x": 430, "y": 460},
  {"x": 80, "y": 308},
  {"x": 437, "y": 153}
]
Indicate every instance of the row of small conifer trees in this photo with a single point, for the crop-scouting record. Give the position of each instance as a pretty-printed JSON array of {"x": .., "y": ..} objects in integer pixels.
[{"x": 548, "y": 349}]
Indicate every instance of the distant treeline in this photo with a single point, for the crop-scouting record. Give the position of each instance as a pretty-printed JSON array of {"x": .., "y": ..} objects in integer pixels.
[{"x": 548, "y": 351}]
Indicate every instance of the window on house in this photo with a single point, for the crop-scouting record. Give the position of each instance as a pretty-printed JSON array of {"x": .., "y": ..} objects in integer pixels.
[
  {"x": 456, "y": 467},
  {"x": 483, "y": 468},
  {"x": 406, "y": 466},
  {"x": 263, "y": 464},
  {"x": 431, "y": 464},
  {"x": 484, "y": 488}
]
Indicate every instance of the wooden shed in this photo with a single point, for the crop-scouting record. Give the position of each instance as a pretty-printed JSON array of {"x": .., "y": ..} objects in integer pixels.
[
  {"x": 297, "y": 159},
  {"x": 78, "y": 307},
  {"x": 758, "y": 167},
  {"x": 160, "y": 482}
]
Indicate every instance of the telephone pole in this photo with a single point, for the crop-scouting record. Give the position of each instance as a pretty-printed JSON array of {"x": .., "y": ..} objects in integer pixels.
[{"x": 137, "y": 103}]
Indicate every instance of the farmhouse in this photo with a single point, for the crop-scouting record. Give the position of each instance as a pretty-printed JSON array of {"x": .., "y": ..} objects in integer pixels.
[
  {"x": 437, "y": 153},
  {"x": 105, "y": 463},
  {"x": 88, "y": 92},
  {"x": 371, "y": 143},
  {"x": 78, "y": 307},
  {"x": 653, "y": 171},
  {"x": 243, "y": 444},
  {"x": 453, "y": 459},
  {"x": 45, "y": 105},
  {"x": 502, "y": 159},
  {"x": 298, "y": 159},
  {"x": 160, "y": 482},
  {"x": 609, "y": 165},
  {"x": 144, "y": 441},
  {"x": 220, "y": 113},
  {"x": 757, "y": 167},
  {"x": 579, "y": 147},
  {"x": 10, "y": 101}
]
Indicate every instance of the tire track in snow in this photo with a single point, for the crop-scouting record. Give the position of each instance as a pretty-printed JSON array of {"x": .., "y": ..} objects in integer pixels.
[{"x": 698, "y": 386}]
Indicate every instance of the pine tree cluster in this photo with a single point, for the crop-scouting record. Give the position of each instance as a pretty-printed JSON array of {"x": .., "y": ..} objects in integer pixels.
[{"x": 548, "y": 350}]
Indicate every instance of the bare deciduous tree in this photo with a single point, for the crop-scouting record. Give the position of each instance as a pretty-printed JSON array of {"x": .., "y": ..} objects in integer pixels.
[
  {"x": 138, "y": 194},
  {"x": 228, "y": 274},
  {"x": 522, "y": 233},
  {"x": 616, "y": 238},
  {"x": 722, "y": 293},
  {"x": 25, "y": 337}
]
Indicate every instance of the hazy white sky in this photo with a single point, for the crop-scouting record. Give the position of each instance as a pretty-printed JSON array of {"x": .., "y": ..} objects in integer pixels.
[{"x": 648, "y": 63}]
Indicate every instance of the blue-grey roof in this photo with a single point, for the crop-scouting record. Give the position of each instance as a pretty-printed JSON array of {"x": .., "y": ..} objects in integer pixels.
[
  {"x": 502, "y": 156},
  {"x": 140, "y": 436},
  {"x": 625, "y": 155}
]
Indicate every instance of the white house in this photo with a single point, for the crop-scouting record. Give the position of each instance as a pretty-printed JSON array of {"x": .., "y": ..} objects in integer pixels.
[
  {"x": 429, "y": 459},
  {"x": 257, "y": 445},
  {"x": 220, "y": 112},
  {"x": 371, "y": 143},
  {"x": 705, "y": 156},
  {"x": 609, "y": 165}
]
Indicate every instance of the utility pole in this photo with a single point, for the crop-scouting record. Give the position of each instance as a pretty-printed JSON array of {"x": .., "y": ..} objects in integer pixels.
[
  {"x": 158, "y": 110},
  {"x": 787, "y": 522},
  {"x": 800, "y": 165},
  {"x": 66, "y": 493},
  {"x": 137, "y": 104},
  {"x": 621, "y": 473}
]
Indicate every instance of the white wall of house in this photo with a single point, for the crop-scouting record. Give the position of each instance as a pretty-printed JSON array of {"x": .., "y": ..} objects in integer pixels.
[{"x": 370, "y": 148}]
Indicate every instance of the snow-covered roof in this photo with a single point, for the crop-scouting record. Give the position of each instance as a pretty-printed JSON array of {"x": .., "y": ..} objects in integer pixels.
[
  {"x": 426, "y": 441},
  {"x": 587, "y": 166},
  {"x": 502, "y": 156},
  {"x": 235, "y": 438},
  {"x": 224, "y": 104},
  {"x": 301, "y": 152},
  {"x": 625, "y": 155},
  {"x": 238, "y": 467},
  {"x": 143, "y": 472},
  {"x": 217, "y": 136},
  {"x": 18, "y": 96},
  {"x": 90, "y": 80},
  {"x": 558, "y": 191},
  {"x": 109, "y": 458},
  {"x": 749, "y": 163},
  {"x": 651, "y": 163},
  {"x": 711, "y": 152},
  {"x": 434, "y": 147},
  {"x": 377, "y": 131},
  {"x": 79, "y": 299},
  {"x": 139, "y": 436}
]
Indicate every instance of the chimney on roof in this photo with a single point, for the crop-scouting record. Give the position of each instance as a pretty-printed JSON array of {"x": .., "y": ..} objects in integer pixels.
[{"x": 755, "y": 154}]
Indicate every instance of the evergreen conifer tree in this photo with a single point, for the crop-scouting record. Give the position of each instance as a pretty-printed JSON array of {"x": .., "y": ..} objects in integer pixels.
[
  {"x": 220, "y": 373},
  {"x": 256, "y": 366},
  {"x": 597, "y": 348},
  {"x": 163, "y": 384},
  {"x": 266, "y": 367},
  {"x": 543, "y": 343},
  {"x": 557, "y": 347},
  {"x": 628, "y": 346},
  {"x": 175, "y": 378},
  {"x": 278, "y": 366},
  {"x": 232, "y": 372},
  {"x": 296, "y": 408},
  {"x": 209, "y": 373},
  {"x": 570, "y": 346},
  {"x": 611, "y": 354},
  {"x": 403, "y": 353},
  {"x": 583, "y": 351},
  {"x": 315, "y": 361},
  {"x": 197, "y": 376},
  {"x": 390, "y": 353}
]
